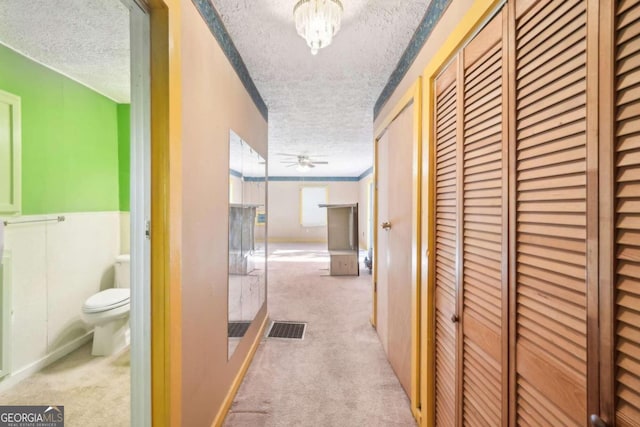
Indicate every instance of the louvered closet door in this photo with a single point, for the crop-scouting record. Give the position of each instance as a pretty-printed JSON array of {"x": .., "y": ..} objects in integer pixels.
[
  {"x": 628, "y": 213},
  {"x": 550, "y": 213},
  {"x": 484, "y": 297},
  {"x": 446, "y": 230}
]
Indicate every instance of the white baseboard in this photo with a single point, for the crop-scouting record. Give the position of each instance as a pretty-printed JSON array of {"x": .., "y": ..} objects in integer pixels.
[{"x": 25, "y": 372}]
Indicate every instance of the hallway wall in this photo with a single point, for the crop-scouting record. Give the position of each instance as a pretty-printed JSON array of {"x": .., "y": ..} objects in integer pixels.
[
  {"x": 214, "y": 100},
  {"x": 363, "y": 215},
  {"x": 284, "y": 209}
]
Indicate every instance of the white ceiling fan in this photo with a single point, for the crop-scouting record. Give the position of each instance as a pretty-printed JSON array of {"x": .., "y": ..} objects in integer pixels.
[{"x": 302, "y": 162}]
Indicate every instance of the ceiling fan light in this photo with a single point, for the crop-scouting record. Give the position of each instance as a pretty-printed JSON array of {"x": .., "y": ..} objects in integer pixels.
[
  {"x": 303, "y": 167},
  {"x": 317, "y": 21}
]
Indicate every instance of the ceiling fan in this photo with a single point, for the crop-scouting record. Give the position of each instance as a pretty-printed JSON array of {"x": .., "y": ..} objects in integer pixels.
[{"x": 302, "y": 162}]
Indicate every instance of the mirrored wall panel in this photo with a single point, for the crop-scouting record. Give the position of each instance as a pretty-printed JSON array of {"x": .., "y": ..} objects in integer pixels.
[{"x": 247, "y": 236}]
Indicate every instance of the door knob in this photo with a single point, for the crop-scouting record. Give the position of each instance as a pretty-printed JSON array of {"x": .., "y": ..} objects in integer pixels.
[
  {"x": 455, "y": 318},
  {"x": 386, "y": 225},
  {"x": 596, "y": 421}
]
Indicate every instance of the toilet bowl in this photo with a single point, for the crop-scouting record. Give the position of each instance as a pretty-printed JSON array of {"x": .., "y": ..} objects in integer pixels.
[{"x": 108, "y": 312}]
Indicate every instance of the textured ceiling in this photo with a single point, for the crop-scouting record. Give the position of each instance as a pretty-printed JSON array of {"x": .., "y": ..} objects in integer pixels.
[
  {"x": 318, "y": 105},
  {"x": 87, "y": 40},
  {"x": 323, "y": 104}
]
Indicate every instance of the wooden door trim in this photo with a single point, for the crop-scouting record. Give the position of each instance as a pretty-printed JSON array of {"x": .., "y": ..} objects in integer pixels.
[
  {"x": 166, "y": 191},
  {"x": 412, "y": 97},
  {"x": 460, "y": 88},
  {"x": 511, "y": 207},
  {"x": 593, "y": 315},
  {"x": 606, "y": 177},
  {"x": 506, "y": 150},
  {"x": 476, "y": 16}
]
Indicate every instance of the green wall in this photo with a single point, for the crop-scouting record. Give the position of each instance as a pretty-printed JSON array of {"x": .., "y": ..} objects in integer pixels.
[
  {"x": 71, "y": 142},
  {"x": 124, "y": 153}
]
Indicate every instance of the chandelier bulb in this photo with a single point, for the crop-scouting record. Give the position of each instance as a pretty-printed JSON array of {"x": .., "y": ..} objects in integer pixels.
[{"x": 317, "y": 21}]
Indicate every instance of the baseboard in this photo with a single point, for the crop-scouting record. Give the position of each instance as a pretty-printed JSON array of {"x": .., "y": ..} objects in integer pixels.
[
  {"x": 15, "y": 377},
  {"x": 235, "y": 385}
]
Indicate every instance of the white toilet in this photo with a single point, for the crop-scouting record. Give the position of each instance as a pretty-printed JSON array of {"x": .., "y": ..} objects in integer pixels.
[{"x": 108, "y": 312}]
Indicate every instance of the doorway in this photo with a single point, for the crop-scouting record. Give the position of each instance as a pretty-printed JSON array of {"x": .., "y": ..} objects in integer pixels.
[{"x": 85, "y": 195}]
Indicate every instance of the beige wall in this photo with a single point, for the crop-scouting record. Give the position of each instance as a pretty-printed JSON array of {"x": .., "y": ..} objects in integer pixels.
[
  {"x": 363, "y": 214},
  {"x": 447, "y": 23},
  {"x": 284, "y": 209},
  {"x": 214, "y": 100}
]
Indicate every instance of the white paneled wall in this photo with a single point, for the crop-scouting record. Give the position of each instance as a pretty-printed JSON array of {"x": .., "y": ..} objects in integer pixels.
[
  {"x": 56, "y": 267},
  {"x": 125, "y": 232}
]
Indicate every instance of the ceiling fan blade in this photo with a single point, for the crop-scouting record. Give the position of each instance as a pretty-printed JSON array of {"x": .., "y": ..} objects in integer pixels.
[
  {"x": 291, "y": 165},
  {"x": 320, "y": 163},
  {"x": 311, "y": 165}
]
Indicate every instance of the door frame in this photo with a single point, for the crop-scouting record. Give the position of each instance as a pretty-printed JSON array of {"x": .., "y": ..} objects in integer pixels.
[
  {"x": 472, "y": 21},
  {"x": 140, "y": 200},
  {"x": 412, "y": 96}
]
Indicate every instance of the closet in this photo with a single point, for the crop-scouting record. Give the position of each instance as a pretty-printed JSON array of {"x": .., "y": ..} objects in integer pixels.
[
  {"x": 535, "y": 273},
  {"x": 471, "y": 234}
]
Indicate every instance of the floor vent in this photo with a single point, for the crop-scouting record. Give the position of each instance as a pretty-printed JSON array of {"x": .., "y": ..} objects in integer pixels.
[
  {"x": 288, "y": 330},
  {"x": 238, "y": 329}
]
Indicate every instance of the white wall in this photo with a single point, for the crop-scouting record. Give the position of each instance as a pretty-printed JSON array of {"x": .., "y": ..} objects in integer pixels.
[
  {"x": 235, "y": 189},
  {"x": 284, "y": 209},
  {"x": 363, "y": 214},
  {"x": 55, "y": 267}
]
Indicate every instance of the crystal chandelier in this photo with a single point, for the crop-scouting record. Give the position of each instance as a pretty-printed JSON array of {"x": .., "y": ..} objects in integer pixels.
[{"x": 317, "y": 21}]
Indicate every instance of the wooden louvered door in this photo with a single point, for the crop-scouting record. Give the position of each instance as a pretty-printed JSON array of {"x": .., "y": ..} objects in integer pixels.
[
  {"x": 446, "y": 232},
  {"x": 484, "y": 298},
  {"x": 627, "y": 211},
  {"x": 550, "y": 199}
]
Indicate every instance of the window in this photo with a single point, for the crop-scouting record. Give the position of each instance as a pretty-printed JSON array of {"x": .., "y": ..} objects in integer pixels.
[{"x": 310, "y": 214}]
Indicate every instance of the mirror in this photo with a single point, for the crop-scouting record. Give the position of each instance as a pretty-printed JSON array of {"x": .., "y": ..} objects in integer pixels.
[{"x": 247, "y": 237}]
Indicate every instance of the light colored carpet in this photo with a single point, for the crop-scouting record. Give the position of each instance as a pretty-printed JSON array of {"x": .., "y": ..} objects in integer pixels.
[
  {"x": 338, "y": 375},
  {"x": 95, "y": 391}
]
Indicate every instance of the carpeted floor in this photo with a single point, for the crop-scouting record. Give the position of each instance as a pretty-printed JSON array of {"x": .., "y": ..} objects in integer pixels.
[
  {"x": 338, "y": 375},
  {"x": 94, "y": 391}
]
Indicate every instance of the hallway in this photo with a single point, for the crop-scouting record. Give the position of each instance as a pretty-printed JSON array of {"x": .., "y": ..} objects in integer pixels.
[{"x": 338, "y": 375}]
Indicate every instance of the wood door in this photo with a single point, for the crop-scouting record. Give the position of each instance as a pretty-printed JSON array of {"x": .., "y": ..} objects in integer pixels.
[
  {"x": 382, "y": 275},
  {"x": 446, "y": 231},
  {"x": 484, "y": 298},
  {"x": 549, "y": 283},
  {"x": 627, "y": 208},
  {"x": 399, "y": 256}
]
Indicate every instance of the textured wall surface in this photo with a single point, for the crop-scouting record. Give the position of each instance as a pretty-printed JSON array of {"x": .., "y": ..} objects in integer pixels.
[
  {"x": 284, "y": 209},
  {"x": 87, "y": 40},
  {"x": 69, "y": 140},
  {"x": 322, "y": 104},
  {"x": 214, "y": 100}
]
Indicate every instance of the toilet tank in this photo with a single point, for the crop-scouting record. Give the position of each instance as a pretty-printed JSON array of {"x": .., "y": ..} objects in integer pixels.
[{"x": 123, "y": 271}]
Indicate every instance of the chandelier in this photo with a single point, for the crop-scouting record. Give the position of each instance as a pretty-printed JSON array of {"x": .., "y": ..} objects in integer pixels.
[{"x": 317, "y": 21}]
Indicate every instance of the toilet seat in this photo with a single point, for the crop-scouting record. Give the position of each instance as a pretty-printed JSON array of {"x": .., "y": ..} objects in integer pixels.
[{"x": 106, "y": 300}]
